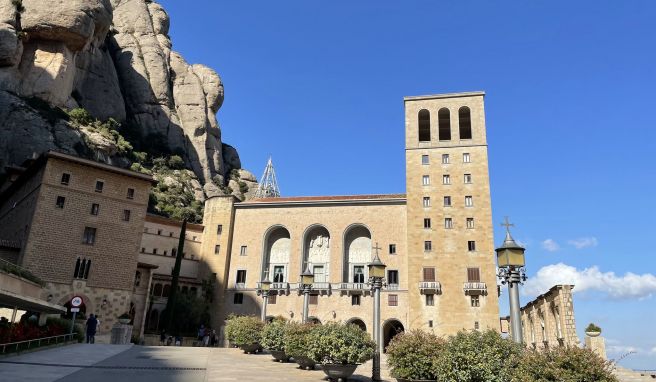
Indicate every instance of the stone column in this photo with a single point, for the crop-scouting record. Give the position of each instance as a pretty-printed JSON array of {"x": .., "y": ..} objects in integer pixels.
[{"x": 596, "y": 344}]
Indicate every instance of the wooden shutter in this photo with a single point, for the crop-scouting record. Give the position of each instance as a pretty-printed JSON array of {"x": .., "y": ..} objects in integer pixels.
[
  {"x": 473, "y": 275},
  {"x": 429, "y": 274}
]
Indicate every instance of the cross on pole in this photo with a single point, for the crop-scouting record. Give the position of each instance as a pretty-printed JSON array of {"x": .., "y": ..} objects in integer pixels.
[
  {"x": 376, "y": 248},
  {"x": 506, "y": 223}
]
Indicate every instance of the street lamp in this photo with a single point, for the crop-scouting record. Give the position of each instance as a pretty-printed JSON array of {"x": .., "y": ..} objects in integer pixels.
[
  {"x": 511, "y": 262},
  {"x": 376, "y": 280},
  {"x": 307, "y": 278},
  {"x": 265, "y": 287}
]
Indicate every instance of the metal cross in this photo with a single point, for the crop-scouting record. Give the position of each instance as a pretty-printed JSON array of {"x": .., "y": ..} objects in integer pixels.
[
  {"x": 376, "y": 248},
  {"x": 507, "y": 224}
]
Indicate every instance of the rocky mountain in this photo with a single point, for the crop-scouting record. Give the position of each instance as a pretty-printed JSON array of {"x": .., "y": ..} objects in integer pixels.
[{"x": 110, "y": 62}]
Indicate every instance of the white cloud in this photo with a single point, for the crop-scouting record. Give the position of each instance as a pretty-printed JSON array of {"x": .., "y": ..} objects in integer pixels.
[
  {"x": 630, "y": 285},
  {"x": 550, "y": 245},
  {"x": 583, "y": 242},
  {"x": 653, "y": 350}
]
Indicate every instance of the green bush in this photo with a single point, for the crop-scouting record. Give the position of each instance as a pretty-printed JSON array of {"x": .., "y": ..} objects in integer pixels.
[
  {"x": 477, "y": 356},
  {"x": 337, "y": 343},
  {"x": 176, "y": 162},
  {"x": 411, "y": 355},
  {"x": 571, "y": 364},
  {"x": 81, "y": 116},
  {"x": 244, "y": 330},
  {"x": 592, "y": 328},
  {"x": 297, "y": 339},
  {"x": 272, "y": 335}
]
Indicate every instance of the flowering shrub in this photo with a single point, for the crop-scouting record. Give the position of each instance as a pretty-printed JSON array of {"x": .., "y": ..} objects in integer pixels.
[
  {"x": 296, "y": 339},
  {"x": 563, "y": 364},
  {"x": 244, "y": 330},
  {"x": 337, "y": 343},
  {"x": 272, "y": 335},
  {"x": 411, "y": 354}
]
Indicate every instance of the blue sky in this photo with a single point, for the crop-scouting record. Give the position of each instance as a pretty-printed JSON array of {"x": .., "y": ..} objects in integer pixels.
[{"x": 569, "y": 106}]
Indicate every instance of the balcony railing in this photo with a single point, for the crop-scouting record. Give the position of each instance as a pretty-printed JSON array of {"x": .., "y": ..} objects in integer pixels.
[
  {"x": 353, "y": 288},
  {"x": 475, "y": 288},
  {"x": 430, "y": 287},
  {"x": 321, "y": 287},
  {"x": 240, "y": 285},
  {"x": 392, "y": 286}
]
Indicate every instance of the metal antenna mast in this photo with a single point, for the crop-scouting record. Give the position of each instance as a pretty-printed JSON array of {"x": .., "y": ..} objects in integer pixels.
[{"x": 268, "y": 187}]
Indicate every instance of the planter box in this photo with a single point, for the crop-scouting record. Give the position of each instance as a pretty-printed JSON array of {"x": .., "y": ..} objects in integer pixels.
[
  {"x": 338, "y": 372},
  {"x": 250, "y": 348},
  {"x": 593, "y": 334},
  {"x": 279, "y": 355},
  {"x": 305, "y": 363}
]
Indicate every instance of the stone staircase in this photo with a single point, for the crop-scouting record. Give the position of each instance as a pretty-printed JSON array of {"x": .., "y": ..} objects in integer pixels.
[{"x": 627, "y": 375}]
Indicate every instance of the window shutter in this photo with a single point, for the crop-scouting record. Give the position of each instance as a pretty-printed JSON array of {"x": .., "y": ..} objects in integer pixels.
[
  {"x": 473, "y": 275},
  {"x": 429, "y": 274}
]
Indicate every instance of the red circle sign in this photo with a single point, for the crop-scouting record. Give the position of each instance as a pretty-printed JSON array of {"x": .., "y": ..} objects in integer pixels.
[{"x": 76, "y": 301}]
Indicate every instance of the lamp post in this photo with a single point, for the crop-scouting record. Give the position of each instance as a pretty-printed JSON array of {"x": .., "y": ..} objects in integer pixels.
[
  {"x": 376, "y": 280},
  {"x": 307, "y": 278},
  {"x": 511, "y": 262},
  {"x": 265, "y": 287}
]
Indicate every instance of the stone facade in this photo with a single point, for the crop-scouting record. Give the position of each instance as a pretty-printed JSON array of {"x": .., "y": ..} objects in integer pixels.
[
  {"x": 548, "y": 321},
  {"x": 76, "y": 234}
]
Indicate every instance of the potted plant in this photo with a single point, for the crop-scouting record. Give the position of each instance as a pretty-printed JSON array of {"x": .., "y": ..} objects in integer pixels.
[
  {"x": 296, "y": 338},
  {"x": 273, "y": 341},
  {"x": 124, "y": 318},
  {"x": 340, "y": 348},
  {"x": 411, "y": 355},
  {"x": 593, "y": 330},
  {"x": 246, "y": 332}
]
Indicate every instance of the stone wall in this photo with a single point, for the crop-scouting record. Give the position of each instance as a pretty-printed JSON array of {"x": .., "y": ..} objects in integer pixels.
[{"x": 548, "y": 321}]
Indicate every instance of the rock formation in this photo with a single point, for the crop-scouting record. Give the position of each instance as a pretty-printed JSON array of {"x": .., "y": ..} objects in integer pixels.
[{"x": 112, "y": 58}]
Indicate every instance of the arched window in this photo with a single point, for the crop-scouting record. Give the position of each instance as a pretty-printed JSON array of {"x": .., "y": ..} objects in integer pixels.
[
  {"x": 444, "y": 122},
  {"x": 137, "y": 278},
  {"x": 464, "y": 120},
  {"x": 158, "y": 290},
  {"x": 424, "y": 125},
  {"x": 166, "y": 291},
  {"x": 77, "y": 268}
]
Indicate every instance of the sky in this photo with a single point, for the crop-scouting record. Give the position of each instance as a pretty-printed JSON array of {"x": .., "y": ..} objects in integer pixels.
[{"x": 570, "y": 118}]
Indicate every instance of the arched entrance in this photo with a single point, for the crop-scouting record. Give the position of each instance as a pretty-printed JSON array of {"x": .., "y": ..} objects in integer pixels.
[
  {"x": 358, "y": 322},
  {"x": 391, "y": 328},
  {"x": 314, "y": 320}
]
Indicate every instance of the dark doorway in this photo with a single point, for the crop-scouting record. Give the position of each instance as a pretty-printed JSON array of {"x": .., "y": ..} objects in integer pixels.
[
  {"x": 359, "y": 323},
  {"x": 390, "y": 329}
]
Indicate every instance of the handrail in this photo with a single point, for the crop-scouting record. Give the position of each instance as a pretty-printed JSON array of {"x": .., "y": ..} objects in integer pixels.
[
  {"x": 4, "y": 346},
  {"x": 21, "y": 272}
]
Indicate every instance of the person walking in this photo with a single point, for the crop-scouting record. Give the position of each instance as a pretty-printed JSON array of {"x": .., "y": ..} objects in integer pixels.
[
  {"x": 201, "y": 335},
  {"x": 91, "y": 326}
]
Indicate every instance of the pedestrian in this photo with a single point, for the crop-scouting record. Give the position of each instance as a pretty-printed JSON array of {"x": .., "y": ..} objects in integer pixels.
[
  {"x": 162, "y": 337},
  {"x": 201, "y": 334},
  {"x": 213, "y": 338},
  {"x": 91, "y": 326},
  {"x": 206, "y": 338}
]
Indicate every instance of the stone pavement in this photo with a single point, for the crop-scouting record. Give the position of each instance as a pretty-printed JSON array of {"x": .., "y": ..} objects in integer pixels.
[{"x": 114, "y": 363}]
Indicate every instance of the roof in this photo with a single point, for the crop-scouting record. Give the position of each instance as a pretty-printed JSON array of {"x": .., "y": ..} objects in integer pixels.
[
  {"x": 444, "y": 95},
  {"x": 327, "y": 198}
]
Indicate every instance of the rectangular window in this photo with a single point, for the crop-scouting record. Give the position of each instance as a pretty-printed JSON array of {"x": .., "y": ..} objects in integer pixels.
[
  {"x": 314, "y": 299},
  {"x": 476, "y": 325},
  {"x": 159, "y": 231},
  {"x": 425, "y": 180},
  {"x": 126, "y": 215},
  {"x": 239, "y": 298},
  {"x": 448, "y": 223},
  {"x": 165, "y": 252},
  {"x": 393, "y": 277},
  {"x": 473, "y": 275},
  {"x": 429, "y": 274},
  {"x": 154, "y": 251},
  {"x": 427, "y": 223},
  {"x": 393, "y": 299},
  {"x": 143, "y": 250},
  {"x": 470, "y": 223},
  {"x": 95, "y": 209},
  {"x": 392, "y": 249},
  {"x": 278, "y": 274},
  {"x": 82, "y": 267},
  {"x": 89, "y": 235},
  {"x": 429, "y": 300},
  {"x": 428, "y": 246},
  {"x": 445, "y": 158},
  {"x": 475, "y": 301},
  {"x": 219, "y": 229},
  {"x": 466, "y": 158},
  {"x": 241, "y": 276},
  {"x": 319, "y": 274},
  {"x": 471, "y": 245},
  {"x": 447, "y": 201},
  {"x": 242, "y": 251},
  {"x": 60, "y": 202},
  {"x": 174, "y": 252},
  {"x": 170, "y": 234},
  {"x": 430, "y": 323},
  {"x": 355, "y": 299},
  {"x": 446, "y": 179},
  {"x": 272, "y": 299},
  {"x": 425, "y": 159},
  {"x": 130, "y": 194},
  {"x": 426, "y": 201},
  {"x": 469, "y": 201},
  {"x": 65, "y": 179},
  {"x": 99, "y": 185},
  {"x": 217, "y": 249},
  {"x": 468, "y": 178},
  {"x": 358, "y": 274}
]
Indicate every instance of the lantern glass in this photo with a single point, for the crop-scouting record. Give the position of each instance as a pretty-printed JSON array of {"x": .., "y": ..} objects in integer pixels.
[
  {"x": 265, "y": 285},
  {"x": 510, "y": 257},
  {"x": 307, "y": 278},
  {"x": 377, "y": 269}
]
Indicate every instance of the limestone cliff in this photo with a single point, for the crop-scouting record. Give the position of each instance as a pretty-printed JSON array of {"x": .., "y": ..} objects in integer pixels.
[{"x": 112, "y": 58}]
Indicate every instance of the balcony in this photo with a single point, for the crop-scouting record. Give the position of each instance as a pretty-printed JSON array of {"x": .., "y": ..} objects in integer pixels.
[
  {"x": 322, "y": 287},
  {"x": 277, "y": 288},
  {"x": 475, "y": 288},
  {"x": 430, "y": 287},
  {"x": 392, "y": 287},
  {"x": 354, "y": 288},
  {"x": 240, "y": 285}
]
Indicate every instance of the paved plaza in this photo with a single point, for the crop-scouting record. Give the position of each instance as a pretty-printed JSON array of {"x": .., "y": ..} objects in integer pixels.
[{"x": 115, "y": 363}]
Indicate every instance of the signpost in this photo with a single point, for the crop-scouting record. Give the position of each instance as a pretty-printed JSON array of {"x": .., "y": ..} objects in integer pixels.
[{"x": 76, "y": 302}]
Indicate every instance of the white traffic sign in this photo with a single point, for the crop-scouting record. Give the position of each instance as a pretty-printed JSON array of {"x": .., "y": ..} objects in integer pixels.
[
  {"x": 75, "y": 310},
  {"x": 76, "y": 301}
]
